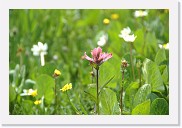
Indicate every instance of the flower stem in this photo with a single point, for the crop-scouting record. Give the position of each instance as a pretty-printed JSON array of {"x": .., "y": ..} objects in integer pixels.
[
  {"x": 132, "y": 66},
  {"x": 75, "y": 109},
  {"x": 121, "y": 93},
  {"x": 97, "y": 84},
  {"x": 42, "y": 59},
  {"x": 55, "y": 93}
]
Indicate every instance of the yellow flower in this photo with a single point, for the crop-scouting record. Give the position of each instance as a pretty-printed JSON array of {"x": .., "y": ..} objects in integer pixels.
[
  {"x": 114, "y": 16},
  {"x": 57, "y": 73},
  {"x": 66, "y": 87},
  {"x": 106, "y": 21},
  {"x": 37, "y": 102},
  {"x": 32, "y": 92}
]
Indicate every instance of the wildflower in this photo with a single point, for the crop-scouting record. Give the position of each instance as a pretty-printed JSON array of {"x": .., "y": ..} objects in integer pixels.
[
  {"x": 102, "y": 40},
  {"x": 124, "y": 63},
  {"x": 114, "y": 16},
  {"x": 29, "y": 92},
  {"x": 66, "y": 87},
  {"x": 140, "y": 13},
  {"x": 106, "y": 21},
  {"x": 97, "y": 57},
  {"x": 40, "y": 50},
  {"x": 56, "y": 73},
  {"x": 126, "y": 35},
  {"x": 165, "y": 46},
  {"x": 37, "y": 102}
]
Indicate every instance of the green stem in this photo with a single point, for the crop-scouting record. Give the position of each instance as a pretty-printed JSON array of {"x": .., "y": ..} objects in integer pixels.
[
  {"x": 55, "y": 96},
  {"x": 21, "y": 60},
  {"x": 139, "y": 74},
  {"x": 75, "y": 109},
  {"x": 132, "y": 66},
  {"x": 121, "y": 93},
  {"x": 97, "y": 84}
]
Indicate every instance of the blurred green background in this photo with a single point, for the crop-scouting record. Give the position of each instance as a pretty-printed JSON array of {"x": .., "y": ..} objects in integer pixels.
[{"x": 70, "y": 33}]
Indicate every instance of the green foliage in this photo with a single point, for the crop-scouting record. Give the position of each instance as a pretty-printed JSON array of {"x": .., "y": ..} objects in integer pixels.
[
  {"x": 130, "y": 92},
  {"x": 159, "y": 107},
  {"x": 12, "y": 93},
  {"x": 142, "y": 94},
  {"x": 142, "y": 109},
  {"x": 160, "y": 56},
  {"x": 108, "y": 103},
  {"x": 153, "y": 76},
  {"x": 45, "y": 87}
]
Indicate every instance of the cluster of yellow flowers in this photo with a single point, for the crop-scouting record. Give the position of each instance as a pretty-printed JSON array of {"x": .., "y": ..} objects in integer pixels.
[{"x": 66, "y": 87}]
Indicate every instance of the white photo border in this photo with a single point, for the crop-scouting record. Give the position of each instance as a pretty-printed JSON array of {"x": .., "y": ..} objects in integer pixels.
[{"x": 171, "y": 119}]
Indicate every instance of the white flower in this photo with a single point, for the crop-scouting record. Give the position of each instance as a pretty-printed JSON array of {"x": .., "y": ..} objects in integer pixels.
[
  {"x": 40, "y": 48},
  {"x": 29, "y": 92},
  {"x": 165, "y": 46},
  {"x": 140, "y": 13},
  {"x": 103, "y": 40},
  {"x": 125, "y": 34}
]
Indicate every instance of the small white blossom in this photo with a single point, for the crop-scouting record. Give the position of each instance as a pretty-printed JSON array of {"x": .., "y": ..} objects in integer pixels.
[
  {"x": 140, "y": 13},
  {"x": 125, "y": 32},
  {"x": 102, "y": 40},
  {"x": 126, "y": 35},
  {"x": 40, "y": 50}
]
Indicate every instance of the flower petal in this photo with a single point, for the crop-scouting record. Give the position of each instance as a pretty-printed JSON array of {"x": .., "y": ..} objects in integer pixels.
[{"x": 87, "y": 57}]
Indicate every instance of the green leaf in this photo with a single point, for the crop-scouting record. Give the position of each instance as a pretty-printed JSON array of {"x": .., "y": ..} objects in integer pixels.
[
  {"x": 160, "y": 56},
  {"x": 152, "y": 75},
  {"x": 45, "y": 86},
  {"x": 142, "y": 94},
  {"x": 108, "y": 102},
  {"x": 12, "y": 93},
  {"x": 107, "y": 70},
  {"x": 159, "y": 107},
  {"x": 28, "y": 84},
  {"x": 130, "y": 94},
  {"x": 91, "y": 94},
  {"x": 142, "y": 109},
  {"x": 106, "y": 84},
  {"x": 27, "y": 105},
  {"x": 165, "y": 75},
  {"x": 152, "y": 97}
]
